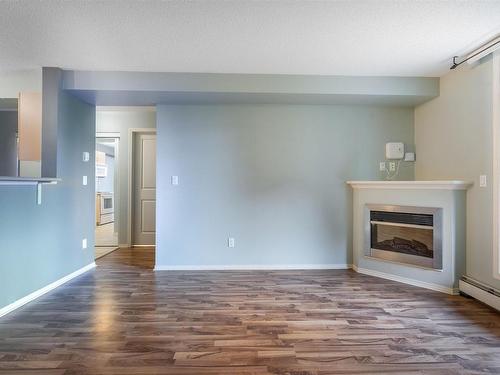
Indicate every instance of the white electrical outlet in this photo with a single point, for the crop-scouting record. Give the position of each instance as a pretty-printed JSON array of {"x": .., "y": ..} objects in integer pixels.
[
  {"x": 392, "y": 166},
  {"x": 84, "y": 243},
  {"x": 230, "y": 242},
  {"x": 409, "y": 156},
  {"x": 381, "y": 166},
  {"x": 84, "y": 180},
  {"x": 86, "y": 156},
  {"x": 175, "y": 180},
  {"x": 482, "y": 181}
]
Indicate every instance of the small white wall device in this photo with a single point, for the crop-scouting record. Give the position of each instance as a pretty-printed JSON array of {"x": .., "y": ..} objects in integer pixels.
[{"x": 394, "y": 150}]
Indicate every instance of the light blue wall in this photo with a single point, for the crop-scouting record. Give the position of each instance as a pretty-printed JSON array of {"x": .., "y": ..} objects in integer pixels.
[
  {"x": 41, "y": 244},
  {"x": 272, "y": 176},
  {"x": 150, "y": 88}
]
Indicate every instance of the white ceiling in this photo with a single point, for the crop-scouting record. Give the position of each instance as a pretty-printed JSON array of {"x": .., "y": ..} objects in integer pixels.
[{"x": 397, "y": 38}]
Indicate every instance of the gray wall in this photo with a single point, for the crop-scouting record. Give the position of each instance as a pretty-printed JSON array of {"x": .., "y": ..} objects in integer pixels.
[
  {"x": 41, "y": 244},
  {"x": 271, "y": 176},
  {"x": 120, "y": 121},
  {"x": 453, "y": 134},
  {"x": 8, "y": 143}
]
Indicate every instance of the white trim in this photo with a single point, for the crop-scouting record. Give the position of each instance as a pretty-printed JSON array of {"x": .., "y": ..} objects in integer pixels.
[
  {"x": 131, "y": 132},
  {"x": 479, "y": 294},
  {"x": 117, "y": 108},
  {"x": 40, "y": 292},
  {"x": 437, "y": 185},
  {"x": 252, "y": 267},
  {"x": 496, "y": 165},
  {"x": 107, "y": 135},
  {"x": 405, "y": 280}
]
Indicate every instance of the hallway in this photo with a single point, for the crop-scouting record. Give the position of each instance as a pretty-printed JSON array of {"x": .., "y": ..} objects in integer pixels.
[{"x": 123, "y": 318}]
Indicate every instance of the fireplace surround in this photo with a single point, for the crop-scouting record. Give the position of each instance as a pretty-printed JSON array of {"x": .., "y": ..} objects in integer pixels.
[
  {"x": 404, "y": 234},
  {"x": 448, "y": 196}
]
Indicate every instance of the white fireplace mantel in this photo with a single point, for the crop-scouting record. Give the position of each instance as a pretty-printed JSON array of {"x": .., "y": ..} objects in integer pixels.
[{"x": 434, "y": 185}]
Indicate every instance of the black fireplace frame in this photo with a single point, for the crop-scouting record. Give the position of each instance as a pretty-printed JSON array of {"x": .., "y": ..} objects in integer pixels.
[{"x": 436, "y": 224}]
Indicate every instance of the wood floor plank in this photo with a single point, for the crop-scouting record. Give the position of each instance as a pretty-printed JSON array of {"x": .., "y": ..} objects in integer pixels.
[{"x": 123, "y": 318}]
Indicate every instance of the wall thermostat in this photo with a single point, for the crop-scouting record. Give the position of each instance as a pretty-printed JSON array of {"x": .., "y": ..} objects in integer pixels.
[{"x": 394, "y": 150}]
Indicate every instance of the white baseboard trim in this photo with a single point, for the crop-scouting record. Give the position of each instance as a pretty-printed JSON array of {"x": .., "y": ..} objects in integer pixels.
[
  {"x": 40, "y": 292},
  {"x": 405, "y": 280},
  {"x": 252, "y": 267},
  {"x": 479, "y": 294}
]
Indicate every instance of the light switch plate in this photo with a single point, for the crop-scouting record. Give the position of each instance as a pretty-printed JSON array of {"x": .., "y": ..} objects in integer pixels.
[
  {"x": 84, "y": 243},
  {"x": 84, "y": 180},
  {"x": 483, "y": 181},
  {"x": 381, "y": 166},
  {"x": 175, "y": 180},
  {"x": 230, "y": 242},
  {"x": 86, "y": 156}
]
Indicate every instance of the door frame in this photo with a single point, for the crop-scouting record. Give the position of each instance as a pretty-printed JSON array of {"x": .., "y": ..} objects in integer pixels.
[
  {"x": 496, "y": 164},
  {"x": 132, "y": 133},
  {"x": 116, "y": 181}
]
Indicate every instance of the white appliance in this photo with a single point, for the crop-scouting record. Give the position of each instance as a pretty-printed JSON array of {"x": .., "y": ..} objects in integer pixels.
[
  {"x": 105, "y": 208},
  {"x": 394, "y": 150},
  {"x": 101, "y": 171}
]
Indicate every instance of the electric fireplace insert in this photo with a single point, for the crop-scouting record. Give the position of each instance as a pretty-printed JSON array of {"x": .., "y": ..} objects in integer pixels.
[{"x": 403, "y": 234}]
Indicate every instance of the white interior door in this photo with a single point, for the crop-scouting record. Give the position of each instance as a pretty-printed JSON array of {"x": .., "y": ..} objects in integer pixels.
[{"x": 144, "y": 215}]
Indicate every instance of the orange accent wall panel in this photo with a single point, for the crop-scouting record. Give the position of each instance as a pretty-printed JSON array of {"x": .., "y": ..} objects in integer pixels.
[{"x": 30, "y": 126}]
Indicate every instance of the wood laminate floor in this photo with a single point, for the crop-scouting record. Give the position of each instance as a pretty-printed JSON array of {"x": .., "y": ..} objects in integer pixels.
[{"x": 123, "y": 318}]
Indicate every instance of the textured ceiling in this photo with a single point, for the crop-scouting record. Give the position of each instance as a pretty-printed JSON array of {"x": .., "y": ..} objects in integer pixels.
[{"x": 397, "y": 38}]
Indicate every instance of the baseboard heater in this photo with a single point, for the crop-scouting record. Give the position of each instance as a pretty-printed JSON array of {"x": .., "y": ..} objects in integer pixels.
[{"x": 480, "y": 291}]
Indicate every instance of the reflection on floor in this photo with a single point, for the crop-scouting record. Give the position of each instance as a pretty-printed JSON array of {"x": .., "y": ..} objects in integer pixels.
[
  {"x": 106, "y": 239},
  {"x": 124, "y": 318}
]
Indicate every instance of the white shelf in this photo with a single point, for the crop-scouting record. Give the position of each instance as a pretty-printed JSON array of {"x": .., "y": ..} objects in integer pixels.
[
  {"x": 6, "y": 180},
  {"x": 435, "y": 185},
  {"x": 31, "y": 181}
]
